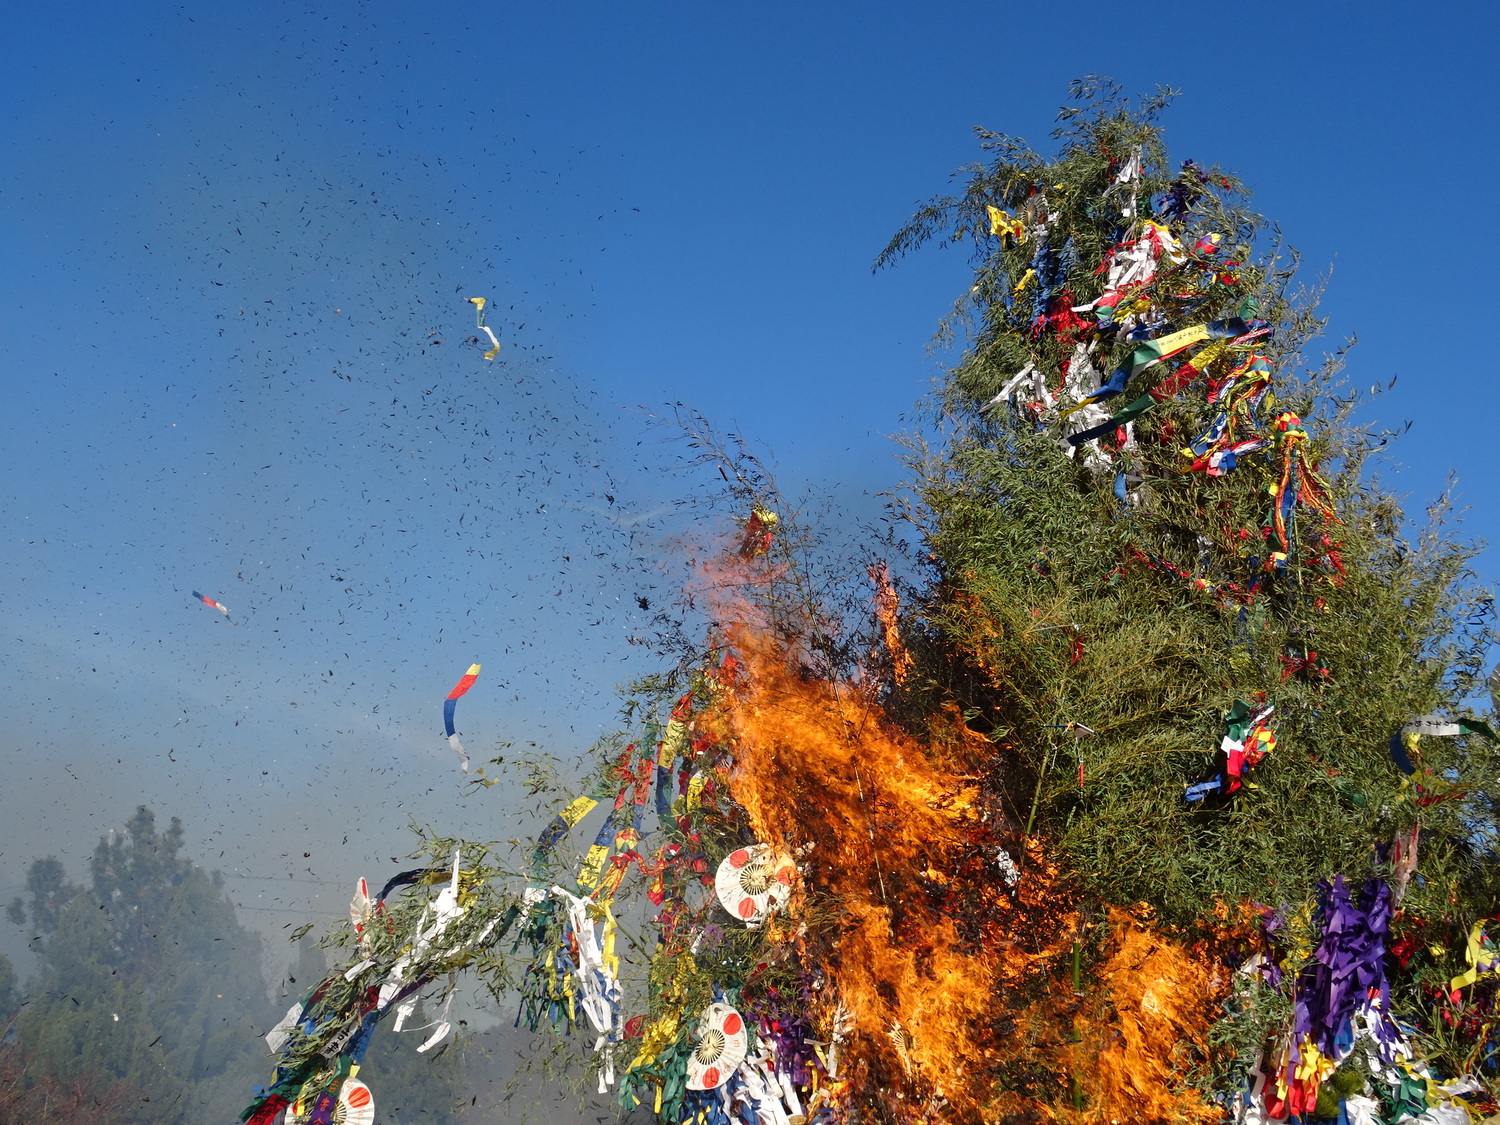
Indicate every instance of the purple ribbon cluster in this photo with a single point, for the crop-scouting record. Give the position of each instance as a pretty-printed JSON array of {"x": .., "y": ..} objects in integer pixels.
[
  {"x": 1347, "y": 970},
  {"x": 787, "y": 1026},
  {"x": 1186, "y": 190}
]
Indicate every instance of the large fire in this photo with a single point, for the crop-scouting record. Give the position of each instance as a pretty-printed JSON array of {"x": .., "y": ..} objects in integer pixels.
[
  {"x": 947, "y": 946},
  {"x": 1153, "y": 1014}
]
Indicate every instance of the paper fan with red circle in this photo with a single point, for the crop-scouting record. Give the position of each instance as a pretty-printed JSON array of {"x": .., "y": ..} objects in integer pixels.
[
  {"x": 720, "y": 1049},
  {"x": 753, "y": 881},
  {"x": 356, "y": 1104}
]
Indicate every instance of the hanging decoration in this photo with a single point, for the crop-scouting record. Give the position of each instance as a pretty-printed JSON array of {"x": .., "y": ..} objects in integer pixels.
[
  {"x": 753, "y": 881},
  {"x": 479, "y": 304},
  {"x": 397, "y": 953},
  {"x": 1406, "y": 742},
  {"x": 719, "y": 1048},
  {"x": 1247, "y": 739},
  {"x": 208, "y": 601},
  {"x": 463, "y": 685}
]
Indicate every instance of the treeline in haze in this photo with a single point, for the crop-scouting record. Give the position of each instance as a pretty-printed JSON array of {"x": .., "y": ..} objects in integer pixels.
[{"x": 149, "y": 1001}]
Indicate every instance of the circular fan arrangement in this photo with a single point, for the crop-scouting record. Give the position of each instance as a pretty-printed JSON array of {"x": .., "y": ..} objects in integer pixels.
[
  {"x": 356, "y": 1104},
  {"x": 720, "y": 1048},
  {"x": 753, "y": 881}
]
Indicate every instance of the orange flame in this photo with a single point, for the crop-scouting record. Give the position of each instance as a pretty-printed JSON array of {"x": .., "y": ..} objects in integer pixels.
[
  {"x": 1157, "y": 1002},
  {"x": 948, "y": 993},
  {"x": 887, "y": 612},
  {"x": 905, "y": 907}
]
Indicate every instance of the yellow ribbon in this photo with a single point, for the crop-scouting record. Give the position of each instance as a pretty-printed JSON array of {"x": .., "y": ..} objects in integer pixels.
[
  {"x": 577, "y": 810},
  {"x": 1003, "y": 226},
  {"x": 672, "y": 743},
  {"x": 610, "y": 957},
  {"x": 1315, "y": 1066},
  {"x": 1474, "y": 955},
  {"x": 1180, "y": 339},
  {"x": 593, "y": 866}
]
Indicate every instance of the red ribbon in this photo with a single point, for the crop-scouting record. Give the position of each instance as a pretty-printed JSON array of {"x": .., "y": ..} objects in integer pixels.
[{"x": 1310, "y": 664}]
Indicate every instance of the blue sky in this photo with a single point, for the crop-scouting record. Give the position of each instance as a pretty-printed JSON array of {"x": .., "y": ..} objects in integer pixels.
[{"x": 236, "y": 235}]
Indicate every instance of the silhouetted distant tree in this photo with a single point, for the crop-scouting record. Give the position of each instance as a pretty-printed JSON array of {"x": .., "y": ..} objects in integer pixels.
[{"x": 146, "y": 979}]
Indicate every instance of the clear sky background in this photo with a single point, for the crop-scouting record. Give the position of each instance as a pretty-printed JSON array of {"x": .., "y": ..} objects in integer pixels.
[{"x": 235, "y": 350}]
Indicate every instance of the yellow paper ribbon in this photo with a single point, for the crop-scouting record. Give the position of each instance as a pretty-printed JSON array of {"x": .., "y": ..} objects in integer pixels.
[
  {"x": 610, "y": 957},
  {"x": 593, "y": 866},
  {"x": 1481, "y": 959},
  {"x": 1003, "y": 226},
  {"x": 1180, "y": 339}
]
